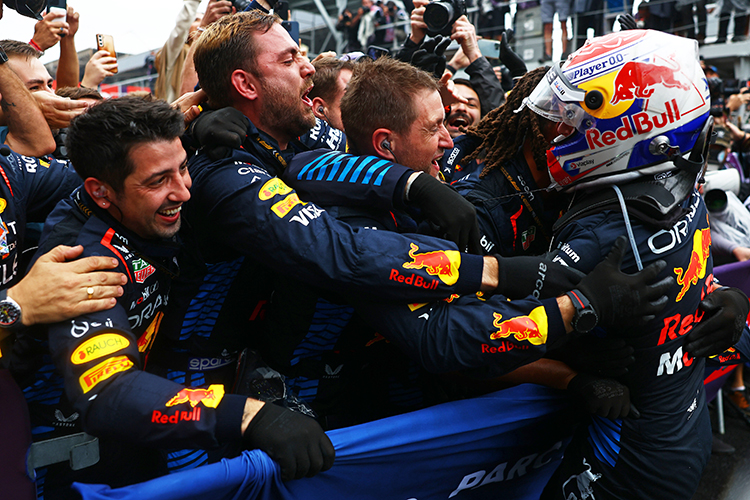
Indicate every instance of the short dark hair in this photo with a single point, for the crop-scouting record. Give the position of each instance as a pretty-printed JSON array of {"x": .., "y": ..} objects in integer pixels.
[
  {"x": 381, "y": 95},
  {"x": 326, "y": 75},
  {"x": 226, "y": 45},
  {"x": 79, "y": 93},
  {"x": 465, "y": 82},
  {"x": 99, "y": 141},
  {"x": 22, "y": 49}
]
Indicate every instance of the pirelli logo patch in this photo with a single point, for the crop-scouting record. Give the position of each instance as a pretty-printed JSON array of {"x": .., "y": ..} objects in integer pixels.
[
  {"x": 103, "y": 371},
  {"x": 96, "y": 347},
  {"x": 286, "y": 205}
]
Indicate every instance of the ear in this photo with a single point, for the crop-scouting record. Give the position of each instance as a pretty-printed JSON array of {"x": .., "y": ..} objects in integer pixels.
[
  {"x": 317, "y": 104},
  {"x": 380, "y": 135},
  {"x": 99, "y": 191},
  {"x": 245, "y": 84}
]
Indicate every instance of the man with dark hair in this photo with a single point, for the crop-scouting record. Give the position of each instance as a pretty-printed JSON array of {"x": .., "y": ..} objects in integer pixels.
[
  {"x": 129, "y": 153},
  {"x": 463, "y": 115},
  {"x": 329, "y": 84}
]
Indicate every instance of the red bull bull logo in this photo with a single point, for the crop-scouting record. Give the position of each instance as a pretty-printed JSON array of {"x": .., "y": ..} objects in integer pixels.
[
  {"x": 209, "y": 397},
  {"x": 638, "y": 79},
  {"x": 532, "y": 328},
  {"x": 696, "y": 268},
  {"x": 441, "y": 263}
]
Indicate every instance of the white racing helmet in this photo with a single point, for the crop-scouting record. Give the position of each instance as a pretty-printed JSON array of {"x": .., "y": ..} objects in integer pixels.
[{"x": 639, "y": 103}]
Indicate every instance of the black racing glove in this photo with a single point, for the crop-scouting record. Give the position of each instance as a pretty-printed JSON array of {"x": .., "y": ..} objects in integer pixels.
[
  {"x": 455, "y": 217},
  {"x": 722, "y": 324},
  {"x": 607, "y": 357},
  {"x": 603, "y": 396},
  {"x": 627, "y": 22},
  {"x": 510, "y": 59},
  {"x": 295, "y": 441},
  {"x": 219, "y": 132},
  {"x": 430, "y": 55},
  {"x": 519, "y": 277},
  {"x": 621, "y": 300}
]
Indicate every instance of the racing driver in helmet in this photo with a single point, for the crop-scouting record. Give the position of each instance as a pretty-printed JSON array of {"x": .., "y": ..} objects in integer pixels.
[{"x": 636, "y": 107}]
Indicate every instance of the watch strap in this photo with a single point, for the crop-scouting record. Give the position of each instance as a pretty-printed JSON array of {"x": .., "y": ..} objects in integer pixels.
[{"x": 583, "y": 310}]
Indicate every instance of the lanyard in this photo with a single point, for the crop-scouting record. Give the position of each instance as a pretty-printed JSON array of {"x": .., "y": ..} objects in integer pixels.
[{"x": 527, "y": 203}]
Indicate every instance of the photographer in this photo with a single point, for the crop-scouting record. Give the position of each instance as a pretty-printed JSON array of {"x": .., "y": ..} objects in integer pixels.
[
  {"x": 469, "y": 57},
  {"x": 349, "y": 25}
]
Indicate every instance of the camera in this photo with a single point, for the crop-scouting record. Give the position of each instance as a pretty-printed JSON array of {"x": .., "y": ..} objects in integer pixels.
[
  {"x": 241, "y": 5},
  {"x": 28, "y": 8},
  {"x": 440, "y": 15}
]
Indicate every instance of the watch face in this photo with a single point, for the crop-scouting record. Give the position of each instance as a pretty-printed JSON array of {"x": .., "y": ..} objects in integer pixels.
[
  {"x": 9, "y": 314},
  {"x": 586, "y": 321}
]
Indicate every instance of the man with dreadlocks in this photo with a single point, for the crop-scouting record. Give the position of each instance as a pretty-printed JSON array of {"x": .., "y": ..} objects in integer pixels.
[{"x": 501, "y": 167}]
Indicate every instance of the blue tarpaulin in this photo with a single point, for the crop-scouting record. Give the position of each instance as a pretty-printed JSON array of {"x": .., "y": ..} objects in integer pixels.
[{"x": 503, "y": 445}]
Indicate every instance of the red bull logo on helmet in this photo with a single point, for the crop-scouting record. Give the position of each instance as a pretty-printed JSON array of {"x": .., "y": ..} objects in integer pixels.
[
  {"x": 638, "y": 80},
  {"x": 531, "y": 328},
  {"x": 441, "y": 263},
  {"x": 210, "y": 397},
  {"x": 696, "y": 268}
]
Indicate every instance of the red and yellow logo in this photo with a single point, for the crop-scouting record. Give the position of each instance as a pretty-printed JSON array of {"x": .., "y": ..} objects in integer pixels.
[
  {"x": 209, "y": 397},
  {"x": 103, "y": 371},
  {"x": 148, "y": 336},
  {"x": 96, "y": 347},
  {"x": 272, "y": 188},
  {"x": 532, "y": 327},
  {"x": 696, "y": 269},
  {"x": 286, "y": 205},
  {"x": 443, "y": 264}
]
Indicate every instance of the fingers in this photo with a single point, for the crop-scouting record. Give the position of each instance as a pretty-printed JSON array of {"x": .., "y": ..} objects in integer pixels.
[
  {"x": 61, "y": 253},
  {"x": 303, "y": 465},
  {"x": 504, "y": 43},
  {"x": 617, "y": 252},
  {"x": 659, "y": 289},
  {"x": 288, "y": 464},
  {"x": 94, "y": 263},
  {"x": 653, "y": 307},
  {"x": 95, "y": 305},
  {"x": 652, "y": 271},
  {"x": 328, "y": 451},
  {"x": 440, "y": 48}
]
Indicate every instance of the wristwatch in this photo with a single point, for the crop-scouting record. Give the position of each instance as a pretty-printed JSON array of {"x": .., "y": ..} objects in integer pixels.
[
  {"x": 10, "y": 311},
  {"x": 585, "y": 318}
]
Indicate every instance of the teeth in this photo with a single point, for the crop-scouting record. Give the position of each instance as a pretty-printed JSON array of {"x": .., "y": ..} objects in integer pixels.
[{"x": 171, "y": 211}]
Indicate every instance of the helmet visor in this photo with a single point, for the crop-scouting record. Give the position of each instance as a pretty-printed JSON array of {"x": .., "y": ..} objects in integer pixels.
[{"x": 558, "y": 100}]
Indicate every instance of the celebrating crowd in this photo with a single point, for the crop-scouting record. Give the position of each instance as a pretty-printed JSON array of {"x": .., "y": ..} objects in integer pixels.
[{"x": 301, "y": 246}]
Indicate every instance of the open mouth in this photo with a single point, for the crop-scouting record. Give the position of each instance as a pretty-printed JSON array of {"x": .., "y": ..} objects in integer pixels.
[
  {"x": 458, "y": 121},
  {"x": 305, "y": 98},
  {"x": 436, "y": 162},
  {"x": 170, "y": 214}
]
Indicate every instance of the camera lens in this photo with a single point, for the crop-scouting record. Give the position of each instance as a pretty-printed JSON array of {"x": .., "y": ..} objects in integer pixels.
[
  {"x": 438, "y": 15},
  {"x": 716, "y": 200}
]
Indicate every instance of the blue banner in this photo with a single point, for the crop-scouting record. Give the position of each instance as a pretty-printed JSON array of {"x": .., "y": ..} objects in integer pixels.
[{"x": 503, "y": 445}]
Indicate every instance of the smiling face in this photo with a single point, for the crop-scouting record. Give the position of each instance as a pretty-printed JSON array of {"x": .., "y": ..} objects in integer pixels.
[
  {"x": 424, "y": 143},
  {"x": 151, "y": 197},
  {"x": 463, "y": 115},
  {"x": 32, "y": 73},
  {"x": 285, "y": 79}
]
